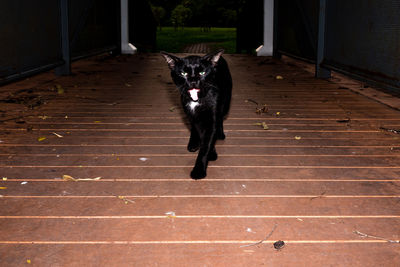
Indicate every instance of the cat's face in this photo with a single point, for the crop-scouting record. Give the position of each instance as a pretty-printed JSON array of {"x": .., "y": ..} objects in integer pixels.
[{"x": 193, "y": 75}]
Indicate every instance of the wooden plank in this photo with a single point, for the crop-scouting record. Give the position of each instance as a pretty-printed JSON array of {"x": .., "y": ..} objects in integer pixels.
[
  {"x": 214, "y": 172},
  {"x": 350, "y": 254},
  {"x": 294, "y": 206},
  {"x": 239, "y": 230},
  {"x": 177, "y": 189}
]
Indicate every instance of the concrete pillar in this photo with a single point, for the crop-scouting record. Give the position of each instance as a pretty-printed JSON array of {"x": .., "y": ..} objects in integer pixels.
[
  {"x": 126, "y": 47},
  {"x": 267, "y": 48}
]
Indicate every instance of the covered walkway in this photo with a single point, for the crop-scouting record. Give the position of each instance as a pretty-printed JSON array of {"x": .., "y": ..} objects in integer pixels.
[{"x": 95, "y": 171}]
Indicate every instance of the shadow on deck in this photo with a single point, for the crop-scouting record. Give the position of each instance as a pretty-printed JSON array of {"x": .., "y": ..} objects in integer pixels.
[{"x": 323, "y": 170}]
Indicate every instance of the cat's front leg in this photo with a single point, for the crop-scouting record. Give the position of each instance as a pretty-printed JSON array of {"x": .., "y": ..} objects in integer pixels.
[
  {"x": 194, "y": 141},
  {"x": 207, "y": 152}
]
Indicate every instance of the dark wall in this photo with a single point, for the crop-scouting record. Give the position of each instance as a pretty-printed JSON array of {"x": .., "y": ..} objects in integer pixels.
[
  {"x": 297, "y": 27},
  {"x": 29, "y": 36},
  {"x": 30, "y": 33},
  {"x": 93, "y": 25},
  {"x": 362, "y": 38}
]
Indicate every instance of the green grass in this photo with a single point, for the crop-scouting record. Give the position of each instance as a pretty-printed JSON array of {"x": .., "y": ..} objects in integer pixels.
[{"x": 174, "y": 41}]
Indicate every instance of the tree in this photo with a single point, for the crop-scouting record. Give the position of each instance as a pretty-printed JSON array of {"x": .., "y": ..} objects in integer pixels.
[
  {"x": 180, "y": 15},
  {"x": 227, "y": 17},
  {"x": 159, "y": 14}
]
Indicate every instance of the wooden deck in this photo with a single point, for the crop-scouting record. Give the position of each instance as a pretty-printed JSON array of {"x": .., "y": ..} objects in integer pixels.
[{"x": 322, "y": 171}]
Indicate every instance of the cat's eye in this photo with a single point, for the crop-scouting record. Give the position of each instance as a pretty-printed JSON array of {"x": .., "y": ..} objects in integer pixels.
[
  {"x": 202, "y": 73},
  {"x": 184, "y": 74}
]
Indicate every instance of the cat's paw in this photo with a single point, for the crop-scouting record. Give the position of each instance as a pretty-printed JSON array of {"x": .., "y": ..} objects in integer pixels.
[
  {"x": 212, "y": 156},
  {"x": 198, "y": 173},
  {"x": 193, "y": 146}
]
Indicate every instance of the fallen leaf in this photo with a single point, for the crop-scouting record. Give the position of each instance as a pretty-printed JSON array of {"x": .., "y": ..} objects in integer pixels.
[
  {"x": 58, "y": 135},
  {"x": 172, "y": 108},
  {"x": 3, "y": 187},
  {"x": 128, "y": 85},
  {"x": 70, "y": 178},
  {"x": 278, "y": 113},
  {"x": 60, "y": 89},
  {"x": 297, "y": 137},
  {"x": 28, "y": 261},
  {"x": 40, "y": 139},
  {"x": 264, "y": 109},
  {"x": 126, "y": 200},
  {"x": 262, "y": 124},
  {"x": 97, "y": 121},
  {"x": 279, "y": 77},
  {"x": 24, "y": 183},
  {"x": 43, "y": 117},
  {"x": 170, "y": 214},
  {"x": 5, "y": 178}
]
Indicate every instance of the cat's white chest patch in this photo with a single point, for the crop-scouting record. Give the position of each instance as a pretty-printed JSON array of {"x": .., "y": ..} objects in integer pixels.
[{"x": 192, "y": 105}]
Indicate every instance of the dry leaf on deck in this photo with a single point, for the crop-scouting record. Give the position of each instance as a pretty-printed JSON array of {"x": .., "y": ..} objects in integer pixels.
[
  {"x": 70, "y": 178},
  {"x": 58, "y": 135},
  {"x": 59, "y": 88},
  {"x": 126, "y": 200},
  {"x": 262, "y": 124}
]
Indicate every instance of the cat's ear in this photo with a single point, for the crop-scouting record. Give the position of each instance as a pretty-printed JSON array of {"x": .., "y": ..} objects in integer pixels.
[
  {"x": 171, "y": 59},
  {"x": 214, "y": 57}
]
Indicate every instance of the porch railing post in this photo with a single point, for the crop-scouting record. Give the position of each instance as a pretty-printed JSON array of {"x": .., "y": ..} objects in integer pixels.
[
  {"x": 268, "y": 40},
  {"x": 321, "y": 72},
  {"x": 64, "y": 69},
  {"x": 126, "y": 47}
]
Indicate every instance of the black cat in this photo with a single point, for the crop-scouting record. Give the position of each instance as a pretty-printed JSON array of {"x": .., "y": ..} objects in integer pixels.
[{"x": 205, "y": 85}]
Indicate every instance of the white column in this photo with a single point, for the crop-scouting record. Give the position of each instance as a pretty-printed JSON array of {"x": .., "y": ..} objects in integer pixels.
[
  {"x": 267, "y": 48},
  {"x": 126, "y": 47}
]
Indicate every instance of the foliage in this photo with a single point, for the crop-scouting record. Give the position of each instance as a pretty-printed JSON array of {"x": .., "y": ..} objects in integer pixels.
[
  {"x": 204, "y": 13},
  {"x": 180, "y": 15},
  {"x": 159, "y": 14}
]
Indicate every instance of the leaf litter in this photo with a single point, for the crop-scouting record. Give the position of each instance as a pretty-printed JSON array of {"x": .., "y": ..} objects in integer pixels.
[
  {"x": 262, "y": 124},
  {"x": 58, "y": 135},
  {"x": 126, "y": 200},
  {"x": 259, "y": 110},
  {"x": 70, "y": 178},
  {"x": 170, "y": 214}
]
